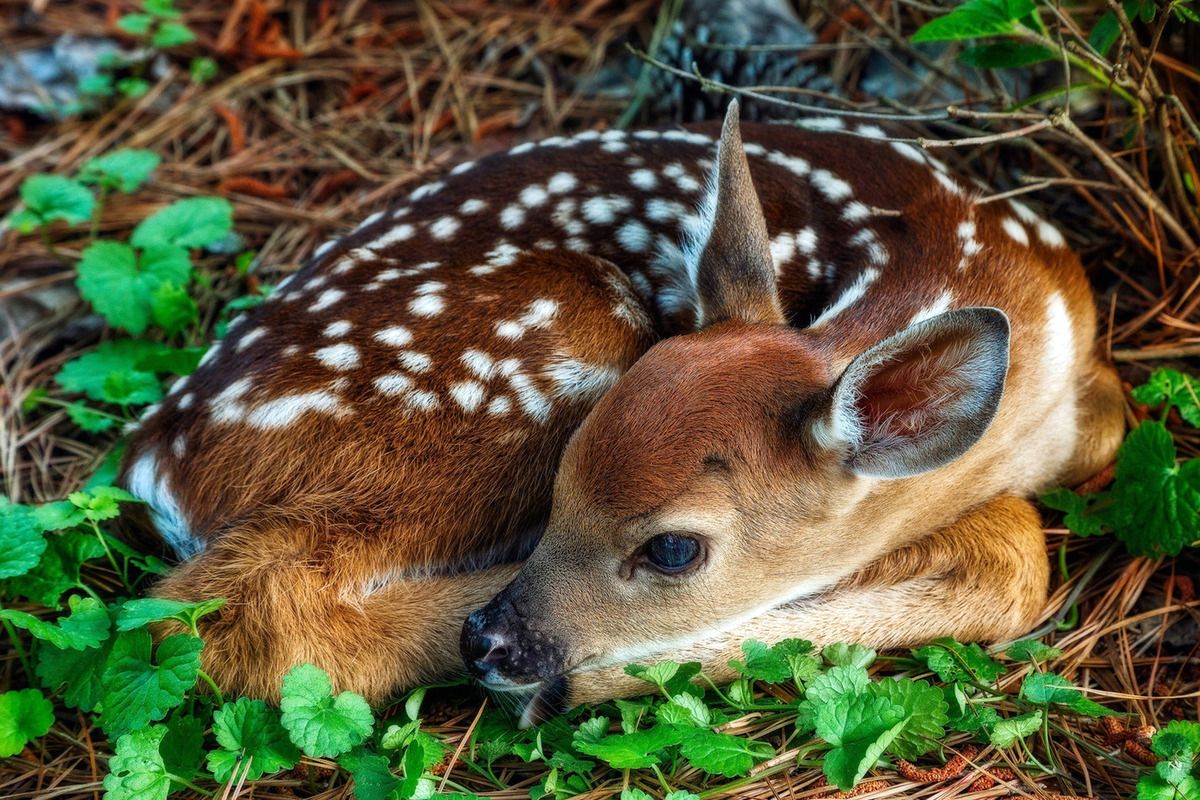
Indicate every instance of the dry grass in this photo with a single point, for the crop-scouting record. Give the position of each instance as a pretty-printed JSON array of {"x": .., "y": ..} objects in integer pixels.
[{"x": 324, "y": 109}]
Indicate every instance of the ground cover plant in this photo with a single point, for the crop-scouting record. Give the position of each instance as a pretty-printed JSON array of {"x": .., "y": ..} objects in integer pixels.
[{"x": 172, "y": 203}]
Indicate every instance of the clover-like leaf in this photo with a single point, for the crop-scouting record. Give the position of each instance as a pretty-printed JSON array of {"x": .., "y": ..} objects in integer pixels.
[
  {"x": 1007, "y": 732},
  {"x": 122, "y": 285},
  {"x": 926, "y": 709},
  {"x": 248, "y": 730},
  {"x": 137, "y": 771},
  {"x": 85, "y": 626},
  {"x": 860, "y": 727},
  {"x": 321, "y": 724},
  {"x": 53, "y": 197},
  {"x": 721, "y": 753},
  {"x": 138, "y": 613},
  {"x": 630, "y": 750},
  {"x": 194, "y": 222},
  {"x": 25, "y": 715},
  {"x": 124, "y": 170},
  {"x": 139, "y": 688},
  {"x": 21, "y": 539},
  {"x": 108, "y": 373}
]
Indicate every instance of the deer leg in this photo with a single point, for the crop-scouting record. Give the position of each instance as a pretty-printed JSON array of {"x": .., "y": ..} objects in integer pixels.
[
  {"x": 1101, "y": 423},
  {"x": 983, "y": 578},
  {"x": 289, "y": 602}
]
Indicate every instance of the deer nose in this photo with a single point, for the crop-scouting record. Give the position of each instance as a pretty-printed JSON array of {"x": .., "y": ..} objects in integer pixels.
[{"x": 484, "y": 649}]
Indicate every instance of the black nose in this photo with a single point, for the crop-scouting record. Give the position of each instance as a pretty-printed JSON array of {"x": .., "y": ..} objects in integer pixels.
[{"x": 483, "y": 650}]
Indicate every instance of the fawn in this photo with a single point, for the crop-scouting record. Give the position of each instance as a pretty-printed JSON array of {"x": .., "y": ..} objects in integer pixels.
[{"x": 615, "y": 410}]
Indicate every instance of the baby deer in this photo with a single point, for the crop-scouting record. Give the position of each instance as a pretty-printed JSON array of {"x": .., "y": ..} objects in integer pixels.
[{"x": 644, "y": 415}]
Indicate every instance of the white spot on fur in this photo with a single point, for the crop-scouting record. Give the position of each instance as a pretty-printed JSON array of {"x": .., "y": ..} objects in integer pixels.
[
  {"x": 472, "y": 206},
  {"x": 283, "y": 411},
  {"x": 530, "y": 398},
  {"x": 397, "y": 336},
  {"x": 479, "y": 363},
  {"x": 340, "y": 356},
  {"x": 463, "y": 167},
  {"x": 830, "y": 186},
  {"x": 659, "y": 209},
  {"x": 562, "y": 182},
  {"x": 644, "y": 179},
  {"x": 399, "y": 233},
  {"x": 427, "y": 190},
  {"x": 872, "y": 132},
  {"x": 634, "y": 236},
  {"x": 427, "y": 305},
  {"x": 338, "y": 329},
  {"x": 822, "y": 124},
  {"x": 806, "y": 241},
  {"x": 1023, "y": 211},
  {"x": 852, "y": 295},
  {"x": 521, "y": 148},
  {"x": 250, "y": 338},
  {"x": 577, "y": 379},
  {"x": 499, "y": 406},
  {"x": 445, "y": 227},
  {"x": 1049, "y": 234},
  {"x": 909, "y": 152},
  {"x": 393, "y": 384},
  {"x": 468, "y": 394},
  {"x": 533, "y": 196},
  {"x": 413, "y": 361},
  {"x": 326, "y": 299},
  {"x": 855, "y": 212},
  {"x": 149, "y": 482},
  {"x": 603, "y": 210},
  {"x": 186, "y": 401},
  {"x": 539, "y": 314},
  {"x": 1015, "y": 230},
  {"x": 939, "y": 306},
  {"x": 512, "y": 217}
]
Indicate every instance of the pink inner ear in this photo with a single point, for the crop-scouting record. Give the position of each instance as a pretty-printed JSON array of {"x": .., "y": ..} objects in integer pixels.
[{"x": 899, "y": 397}]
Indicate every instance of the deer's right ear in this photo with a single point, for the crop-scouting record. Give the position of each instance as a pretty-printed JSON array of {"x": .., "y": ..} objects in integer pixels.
[
  {"x": 735, "y": 275},
  {"x": 920, "y": 398}
]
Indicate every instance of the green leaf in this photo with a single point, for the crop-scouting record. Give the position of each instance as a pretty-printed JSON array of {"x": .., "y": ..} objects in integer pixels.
[
  {"x": 52, "y": 197},
  {"x": 172, "y": 34},
  {"x": 89, "y": 419},
  {"x": 721, "y": 753},
  {"x": 86, "y": 626},
  {"x": 137, "y": 771},
  {"x": 249, "y": 730},
  {"x": 203, "y": 69},
  {"x": 25, "y": 715},
  {"x": 1188, "y": 731},
  {"x": 137, "y": 690},
  {"x": 1175, "y": 389},
  {"x": 21, "y": 539},
  {"x": 685, "y": 709},
  {"x": 173, "y": 308},
  {"x": 132, "y": 87},
  {"x": 852, "y": 655},
  {"x": 81, "y": 671},
  {"x": 373, "y": 777},
  {"x": 1005, "y": 55},
  {"x": 194, "y": 222},
  {"x": 135, "y": 614},
  {"x": 630, "y": 750},
  {"x": 1045, "y": 688},
  {"x": 1077, "y": 516},
  {"x": 122, "y": 286},
  {"x": 176, "y": 361},
  {"x": 1007, "y": 732},
  {"x": 953, "y": 661},
  {"x": 124, "y": 170},
  {"x": 926, "y": 709},
  {"x": 320, "y": 724},
  {"x": 860, "y": 727},
  {"x": 975, "y": 19},
  {"x": 58, "y": 569},
  {"x": 1156, "y": 502},
  {"x": 837, "y": 682},
  {"x": 1032, "y": 650},
  {"x": 135, "y": 24},
  {"x": 182, "y": 748},
  {"x": 1154, "y": 787},
  {"x": 93, "y": 373},
  {"x": 762, "y": 663},
  {"x": 98, "y": 85}
]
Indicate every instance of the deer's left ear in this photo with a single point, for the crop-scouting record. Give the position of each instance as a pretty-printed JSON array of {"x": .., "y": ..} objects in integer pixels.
[
  {"x": 920, "y": 398},
  {"x": 735, "y": 276}
]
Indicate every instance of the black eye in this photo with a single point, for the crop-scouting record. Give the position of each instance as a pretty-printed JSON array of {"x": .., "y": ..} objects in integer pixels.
[{"x": 672, "y": 552}]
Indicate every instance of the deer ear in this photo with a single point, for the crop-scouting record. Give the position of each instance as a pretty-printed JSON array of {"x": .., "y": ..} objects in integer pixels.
[
  {"x": 735, "y": 276},
  {"x": 920, "y": 398}
]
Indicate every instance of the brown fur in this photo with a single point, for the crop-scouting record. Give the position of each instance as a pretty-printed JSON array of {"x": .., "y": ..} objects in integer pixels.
[{"x": 359, "y": 538}]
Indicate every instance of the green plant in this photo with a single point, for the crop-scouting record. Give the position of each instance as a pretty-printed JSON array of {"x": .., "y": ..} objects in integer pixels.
[
  {"x": 1177, "y": 775},
  {"x": 1153, "y": 506}
]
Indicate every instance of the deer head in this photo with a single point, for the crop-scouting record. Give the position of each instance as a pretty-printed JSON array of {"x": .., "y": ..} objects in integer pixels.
[{"x": 735, "y": 468}]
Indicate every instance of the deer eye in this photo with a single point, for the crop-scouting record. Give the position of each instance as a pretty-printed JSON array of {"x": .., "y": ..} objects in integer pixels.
[{"x": 672, "y": 552}]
